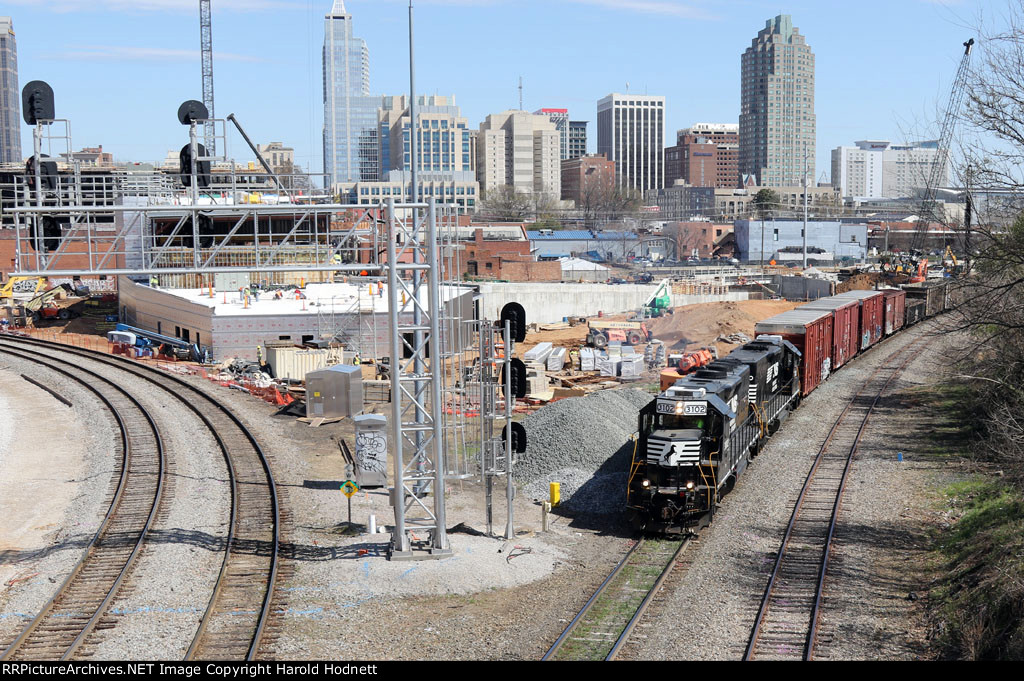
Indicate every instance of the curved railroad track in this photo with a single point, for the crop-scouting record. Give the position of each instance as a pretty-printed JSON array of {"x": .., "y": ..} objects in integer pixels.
[
  {"x": 785, "y": 627},
  {"x": 65, "y": 623},
  {"x": 236, "y": 623},
  {"x": 607, "y": 620}
]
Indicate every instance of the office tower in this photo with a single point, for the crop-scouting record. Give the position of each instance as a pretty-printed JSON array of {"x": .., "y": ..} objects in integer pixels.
[
  {"x": 10, "y": 97},
  {"x": 519, "y": 149},
  {"x": 350, "y": 113},
  {"x": 705, "y": 155},
  {"x": 631, "y": 132},
  {"x": 577, "y": 139},
  {"x": 777, "y": 123}
]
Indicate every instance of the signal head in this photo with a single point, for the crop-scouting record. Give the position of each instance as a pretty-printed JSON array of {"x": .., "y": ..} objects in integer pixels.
[
  {"x": 192, "y": 110},
  {"x": 37, "y": 102}
]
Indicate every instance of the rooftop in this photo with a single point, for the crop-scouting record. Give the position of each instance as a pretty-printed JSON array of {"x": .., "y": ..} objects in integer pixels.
[{"x": 319, "y": 299}]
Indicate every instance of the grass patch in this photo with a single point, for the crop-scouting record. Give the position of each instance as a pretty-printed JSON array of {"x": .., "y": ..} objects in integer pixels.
[{"x": 981, "y": 602}]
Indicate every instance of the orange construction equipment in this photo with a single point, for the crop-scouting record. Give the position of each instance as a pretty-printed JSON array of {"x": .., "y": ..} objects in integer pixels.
[
  {"x": 690, "y": 362},
  {"x": 922, "y": 272}
]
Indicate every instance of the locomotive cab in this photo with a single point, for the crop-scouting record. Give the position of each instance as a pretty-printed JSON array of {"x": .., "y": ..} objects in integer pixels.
[{"x": 683, "y": 456}]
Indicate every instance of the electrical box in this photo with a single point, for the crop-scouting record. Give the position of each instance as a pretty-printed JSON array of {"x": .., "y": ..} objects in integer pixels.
[
  {"x": 334, "y": 392},
  {"x": 371, "y": 450}
]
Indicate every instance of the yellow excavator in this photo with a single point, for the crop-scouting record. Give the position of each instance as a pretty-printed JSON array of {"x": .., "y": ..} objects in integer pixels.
[{"x": 16, "y": 284}]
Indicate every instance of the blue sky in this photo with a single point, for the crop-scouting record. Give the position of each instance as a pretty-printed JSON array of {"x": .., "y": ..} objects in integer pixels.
[{"x": 120, "y": 68}]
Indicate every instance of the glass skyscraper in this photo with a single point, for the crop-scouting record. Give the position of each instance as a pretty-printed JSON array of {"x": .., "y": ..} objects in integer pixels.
[
  {"x": 10, "y": 97},
  {"x": 350, "y": 112}
]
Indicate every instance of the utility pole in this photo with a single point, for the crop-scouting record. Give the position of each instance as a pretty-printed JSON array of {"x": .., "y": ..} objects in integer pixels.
[{"x": 806, "y": 189}]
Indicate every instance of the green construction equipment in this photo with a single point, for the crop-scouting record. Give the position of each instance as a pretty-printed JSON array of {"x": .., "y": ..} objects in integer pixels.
[{"x": 660, "y": 301}]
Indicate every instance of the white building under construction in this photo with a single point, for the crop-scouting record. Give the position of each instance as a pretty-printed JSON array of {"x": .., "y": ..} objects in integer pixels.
[{"x": 233, "y": 325}]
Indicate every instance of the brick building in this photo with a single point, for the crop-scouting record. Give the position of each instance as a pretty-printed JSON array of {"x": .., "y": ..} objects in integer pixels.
[
  {"x": 587, "y": 176},
  {"x": 502, "y": 251},
  {"x": 705, "y": 155}
]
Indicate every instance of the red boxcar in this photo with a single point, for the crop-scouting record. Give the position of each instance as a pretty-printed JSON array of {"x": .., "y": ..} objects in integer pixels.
[
  {"x": 872, "y": 315},
  {"x": 811, "y": 332},
  {"x": 895, "y": 310},
  {"x": 845, "y": 326}
]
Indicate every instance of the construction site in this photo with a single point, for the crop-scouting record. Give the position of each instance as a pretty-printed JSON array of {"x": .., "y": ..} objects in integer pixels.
[{"x": 279, "y": 424}]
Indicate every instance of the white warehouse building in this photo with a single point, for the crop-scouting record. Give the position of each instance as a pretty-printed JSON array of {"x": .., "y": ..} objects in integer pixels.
[{"x": 355, "y": 313}]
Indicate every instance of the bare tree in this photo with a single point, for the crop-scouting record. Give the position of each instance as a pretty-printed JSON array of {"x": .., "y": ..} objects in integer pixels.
[{"x": 506, "y": 203}]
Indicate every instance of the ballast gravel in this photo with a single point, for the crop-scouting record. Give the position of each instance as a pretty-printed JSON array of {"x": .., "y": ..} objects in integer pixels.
[
  {"x": 157, "y": 612},
  {"x": 81, "y": 495}
]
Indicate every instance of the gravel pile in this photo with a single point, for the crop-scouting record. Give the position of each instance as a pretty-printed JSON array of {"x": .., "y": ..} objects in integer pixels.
[{"x": 584, "y": 444}]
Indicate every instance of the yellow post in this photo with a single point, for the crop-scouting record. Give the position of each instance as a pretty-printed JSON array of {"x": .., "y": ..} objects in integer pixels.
[{"x": 555, "y": 491}]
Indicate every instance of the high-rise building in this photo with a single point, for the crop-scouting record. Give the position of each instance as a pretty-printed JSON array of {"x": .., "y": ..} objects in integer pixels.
[
  {"x": 560, "y": 117},
  {"x": 777, "y": 123},
  {"x": 876, "y": 169},
  {"x": 577, "y": 139},
  {"x": 10, "y": 98},
  {"x": 705, "y": 155},
  {"x": 631, "y": 132},
  {"x": 350, "y": 113},
  {"x": 445, "y": 155},
  {"x": 443, "y": 141},
  {"x": 521, "y": 150}
]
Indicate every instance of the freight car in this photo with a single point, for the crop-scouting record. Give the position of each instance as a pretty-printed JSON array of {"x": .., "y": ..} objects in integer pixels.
[{"x": 698, "y": 436}]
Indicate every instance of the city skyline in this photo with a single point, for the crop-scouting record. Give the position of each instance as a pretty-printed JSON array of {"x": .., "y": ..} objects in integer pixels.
[{"x": 277, "y": 93}]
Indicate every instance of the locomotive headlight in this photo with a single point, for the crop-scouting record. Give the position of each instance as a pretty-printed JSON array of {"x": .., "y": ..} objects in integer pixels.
[
  {"x": 689, "y": 485},
  {"x": 679, "y": 408},
  {"x": 646, "y": 484}
]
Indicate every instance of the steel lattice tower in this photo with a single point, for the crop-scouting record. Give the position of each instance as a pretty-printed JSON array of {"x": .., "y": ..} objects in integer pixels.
[{"x": 206, "y": 45}]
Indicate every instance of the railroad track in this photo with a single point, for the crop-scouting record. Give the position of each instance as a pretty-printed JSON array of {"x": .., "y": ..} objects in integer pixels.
[
  {"x": 785, "y": 627},
  {"x": 606, "y": 621},
  {"x": 237, "y": 619},
  {"x": 72, "y": 616}
]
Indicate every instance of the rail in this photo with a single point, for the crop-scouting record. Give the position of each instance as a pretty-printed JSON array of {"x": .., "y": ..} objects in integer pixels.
[
  {"x": 66, "y": 620},
  {"x": 238, "y": 632},
  {"x": 826, "y": 480}
]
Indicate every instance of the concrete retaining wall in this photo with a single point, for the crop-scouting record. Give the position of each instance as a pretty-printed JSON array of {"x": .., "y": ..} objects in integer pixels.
[
  {"x": 800, "y": 288},
  {"x": 546, "y": 303}
]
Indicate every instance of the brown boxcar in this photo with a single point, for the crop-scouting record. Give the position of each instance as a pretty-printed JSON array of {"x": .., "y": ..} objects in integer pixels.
[
  {"x": 845, "y": 326},
  {"x": 872, "y": 315},
  {"x": 933, "y": 295},
  {"x": 915, "y": 311},
  {"x": 811, "y": 332},
  {"x": 895, "y": 310}
]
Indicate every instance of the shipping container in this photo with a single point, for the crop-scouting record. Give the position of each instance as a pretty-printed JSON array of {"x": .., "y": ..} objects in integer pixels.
[
  {"x": 291, "y": 362},
  {"x": 914, "y": 311},
  {"x": 845, "y": 326},
  {"x": 872, "y": 315},
  {"x": 895, "y": 310},
  {"x": 811, "y": 332},
  {"x": 933, "y": 295}
]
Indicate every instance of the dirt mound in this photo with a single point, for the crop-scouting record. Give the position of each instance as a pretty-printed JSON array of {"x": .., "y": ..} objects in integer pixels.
[{"x": 694, "y": 326}]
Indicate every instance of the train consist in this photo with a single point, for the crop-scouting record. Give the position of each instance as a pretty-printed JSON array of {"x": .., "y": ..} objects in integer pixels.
[{"x": 697, "y": 436}]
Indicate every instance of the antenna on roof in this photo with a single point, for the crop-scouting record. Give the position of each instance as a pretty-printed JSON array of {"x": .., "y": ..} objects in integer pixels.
[{"x": 520, "y": 93}]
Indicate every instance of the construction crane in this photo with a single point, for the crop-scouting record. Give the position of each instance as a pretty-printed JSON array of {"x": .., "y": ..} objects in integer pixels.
[
  {"x": 929, "y": 211},
  {"x": 206, "y": 46}
]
